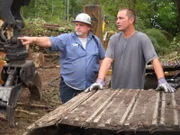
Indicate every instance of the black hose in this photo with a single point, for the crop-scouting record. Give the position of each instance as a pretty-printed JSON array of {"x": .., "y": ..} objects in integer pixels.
[{"x": 52, "y": 81}]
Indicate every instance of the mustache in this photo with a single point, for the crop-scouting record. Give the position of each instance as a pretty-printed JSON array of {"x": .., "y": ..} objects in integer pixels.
[{"x": 79, "y": 33}]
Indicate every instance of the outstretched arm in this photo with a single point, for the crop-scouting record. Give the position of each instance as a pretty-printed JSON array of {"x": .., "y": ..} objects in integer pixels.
[{"x": 40, "y": 41}]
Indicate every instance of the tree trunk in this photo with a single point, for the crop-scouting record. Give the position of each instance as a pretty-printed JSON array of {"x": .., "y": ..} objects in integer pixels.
[
  {"x": 96, "y": 18},
  {"x": 178, "y": 8}
]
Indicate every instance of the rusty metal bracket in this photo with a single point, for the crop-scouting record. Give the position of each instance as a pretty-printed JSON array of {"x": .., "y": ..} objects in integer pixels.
[{"x": 175, "y": 81}]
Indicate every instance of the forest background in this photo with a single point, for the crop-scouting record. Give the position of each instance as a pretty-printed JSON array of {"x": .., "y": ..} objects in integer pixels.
[{"x": 159, "y": 19}]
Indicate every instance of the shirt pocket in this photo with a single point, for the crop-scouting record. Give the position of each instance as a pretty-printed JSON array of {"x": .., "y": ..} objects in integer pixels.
[{"x": 75, "y": 51}]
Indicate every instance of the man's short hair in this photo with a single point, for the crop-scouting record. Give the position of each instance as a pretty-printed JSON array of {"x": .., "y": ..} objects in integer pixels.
[{"x": 130, "y": 13}]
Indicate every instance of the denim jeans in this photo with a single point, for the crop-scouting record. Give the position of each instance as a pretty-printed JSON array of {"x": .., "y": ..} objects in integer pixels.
[{"x": 66, "y": 92}]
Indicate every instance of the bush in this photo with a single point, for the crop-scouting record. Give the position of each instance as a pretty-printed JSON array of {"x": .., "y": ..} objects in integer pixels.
[
  {"x": 175, "y": 44},
  {"x": 159, "y": 41}
]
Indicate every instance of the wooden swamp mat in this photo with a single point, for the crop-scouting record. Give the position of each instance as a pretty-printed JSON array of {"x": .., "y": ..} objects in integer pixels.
[{"x": 119, "y": 110}]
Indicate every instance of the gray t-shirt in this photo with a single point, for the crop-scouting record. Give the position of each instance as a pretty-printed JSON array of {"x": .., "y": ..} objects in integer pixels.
[{"x": 130, "y": 58}]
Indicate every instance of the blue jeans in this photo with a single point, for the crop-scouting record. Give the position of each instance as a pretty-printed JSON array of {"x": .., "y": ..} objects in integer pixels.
[{"x": 66, "y": 92}]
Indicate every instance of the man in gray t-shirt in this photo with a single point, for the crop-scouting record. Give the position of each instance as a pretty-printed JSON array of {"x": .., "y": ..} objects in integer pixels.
[
  {"x": 131, "y": 51},
  {"x": 130, "y": 55}
]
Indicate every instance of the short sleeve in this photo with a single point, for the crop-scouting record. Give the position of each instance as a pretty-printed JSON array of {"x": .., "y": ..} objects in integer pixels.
[
  {"x": 110, "y": 48},
  {"x": 148, "y": 50},
  {"x": 58, "y": 42}
]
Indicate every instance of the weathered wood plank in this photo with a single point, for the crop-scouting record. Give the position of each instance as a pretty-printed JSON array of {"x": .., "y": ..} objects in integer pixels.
[
  {"x": 143, "y": 112},
  {"x": 169, "y": 110},
  {"x": 155, "y": 115},
  {"x": 115, "y": 114},
  {"x": 175, "y": 111},
  {"x": 177, "y": 105},
  {"x": 56, "y": 115},
  {"x": 101, "y": 107},
  {"x": 102, "y": 115},
  {"x": 88, "y": 110}
]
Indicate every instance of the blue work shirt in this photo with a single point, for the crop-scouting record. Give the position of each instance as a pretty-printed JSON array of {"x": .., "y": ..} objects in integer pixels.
[{"x": 79, "y": 66}]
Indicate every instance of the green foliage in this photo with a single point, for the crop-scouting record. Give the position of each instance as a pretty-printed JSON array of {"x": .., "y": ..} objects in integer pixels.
[
  {"x": 175, "y": 44},
  {"x": 145, "y": 12},
  {"x": 140, "y": 24},
  {"x": 166, "y": 17},
  {"x": 159, "y": 41},
  {"x": 37, "y": 27},
  {"x": 33, "y": 27},
  {"x": 111, "y": 7},
  {"x": 157, "y": 14},
  {"x": 76, "y": 7},
  {"x": 48, "y": 10}
]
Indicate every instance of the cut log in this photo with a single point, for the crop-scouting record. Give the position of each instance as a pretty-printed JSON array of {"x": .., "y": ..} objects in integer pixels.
[
  {"x": 26, "y": 112},
  {"x": 34, "y": 105},
  {"x": 37, "y": 58}
]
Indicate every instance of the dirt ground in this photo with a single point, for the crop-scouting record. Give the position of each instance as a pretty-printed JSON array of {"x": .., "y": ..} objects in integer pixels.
[{"x": 28, "y": 110}]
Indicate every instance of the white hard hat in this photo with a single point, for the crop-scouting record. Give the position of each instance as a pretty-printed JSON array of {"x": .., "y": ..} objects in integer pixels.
[{"x": 84, "y": 18}]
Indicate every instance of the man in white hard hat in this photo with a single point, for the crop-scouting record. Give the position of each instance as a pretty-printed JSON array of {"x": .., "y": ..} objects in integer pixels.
[{"x": 81, "y": 54}]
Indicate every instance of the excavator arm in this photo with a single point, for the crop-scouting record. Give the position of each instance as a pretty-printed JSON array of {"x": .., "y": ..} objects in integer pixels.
[
  {"x": 10, "y": 14},
  {"x": 18, "y": 72},
  {"x": 10, "y": 10}
]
